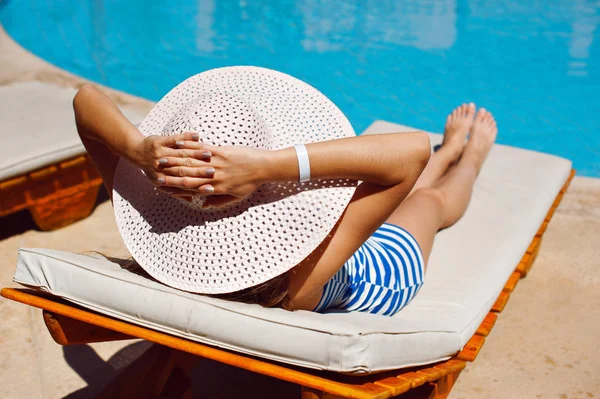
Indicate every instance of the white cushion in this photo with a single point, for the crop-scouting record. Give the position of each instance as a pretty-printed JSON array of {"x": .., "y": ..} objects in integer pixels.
[
  {"x": 38, "y": 127},
  {"x": 470, "y": 264}
]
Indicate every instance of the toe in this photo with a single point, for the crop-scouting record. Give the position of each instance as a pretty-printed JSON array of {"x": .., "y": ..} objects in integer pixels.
[
  {"x": 470, "y": 110},
  {"x": 480, "y": 114}
]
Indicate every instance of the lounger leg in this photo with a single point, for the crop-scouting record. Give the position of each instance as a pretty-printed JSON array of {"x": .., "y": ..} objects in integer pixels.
[
  {"x": 159, "y": 372},
  {"x": 310, "y": 393},
  {"x": 64, "y": 206},
  {"x": 443, "y": 386},
  {"x": 67, "y": 331}
]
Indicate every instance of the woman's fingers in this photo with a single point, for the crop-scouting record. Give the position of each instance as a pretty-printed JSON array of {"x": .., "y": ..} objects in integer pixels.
[
  {"x": 196, "y": 146},
  {"x": 166, "y": 163},
  {"x": 184, "y": 145},
  {"x": 177, "y": 140},
  {"x": 190, "y": 171},
  {"x": 202, "y": 154},
  {"x": 193, "y": 184}
]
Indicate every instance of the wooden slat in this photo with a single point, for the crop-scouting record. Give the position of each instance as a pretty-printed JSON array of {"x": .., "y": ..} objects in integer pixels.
[
  {"x": 43, "y": 173},
  {"x": 348, "y": 390},
  {"x": 521, "y": 267},
  {"x": 396, "y": 386},
  {"x": 5, "y": 185},
  {"x": 73, "y": 162},
  {"x": 512, "y": 282},
  {"x": 451, "y": 366},
  {"x": 501, "y": 302},
  {"x": 487, "y": 324},
  {"x": 471, "y": 349},
  {"x": 536, "y": 250},
  {"x": 555, "y": 205},
  {"x": 525, "y": 264},
  {"x": 431, "y": 373},
  {"x": 414, "y": 378},
  {"x": 67, "y": 331},
  {"x": 533, "y": 255},
  {"x": 542, "y": 228},
  {"x": 535, "y": 243}
]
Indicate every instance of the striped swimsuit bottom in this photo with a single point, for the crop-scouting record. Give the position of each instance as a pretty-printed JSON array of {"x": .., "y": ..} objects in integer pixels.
[{"x": 382, "y": 277}]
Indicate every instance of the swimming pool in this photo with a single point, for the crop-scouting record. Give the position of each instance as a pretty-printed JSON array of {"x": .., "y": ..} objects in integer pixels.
[{"x": 535, "y": 64}]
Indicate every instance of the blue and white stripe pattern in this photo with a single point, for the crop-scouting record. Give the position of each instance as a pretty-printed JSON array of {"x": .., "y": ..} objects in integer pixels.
[{"x": 381, "y": 277}]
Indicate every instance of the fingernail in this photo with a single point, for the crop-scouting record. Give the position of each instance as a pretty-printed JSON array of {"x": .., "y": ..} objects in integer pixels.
[
  {"x": 210, "y": 171},
  {"x": 195, "y": 136},
  {"x": 209, "y": 189},
  {"x": 161, "y": 180},
  {"x": 206, "y": 154},
  {"x": 162, "y": 161},
  {"x": 179, "y": 143}
]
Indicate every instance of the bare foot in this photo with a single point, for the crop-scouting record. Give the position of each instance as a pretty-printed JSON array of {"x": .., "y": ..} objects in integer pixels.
[
  {"x": 458, "y": 125},
  {"x": 483, "y": 135}
]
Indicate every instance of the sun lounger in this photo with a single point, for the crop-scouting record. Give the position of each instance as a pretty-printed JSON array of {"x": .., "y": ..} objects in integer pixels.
[
  {"x": 43, "y": 165},
  {"x": 420, "y": 352}
]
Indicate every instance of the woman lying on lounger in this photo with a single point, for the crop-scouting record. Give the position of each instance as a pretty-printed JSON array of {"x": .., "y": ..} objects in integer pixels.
[{"x": 371, "y": 246}]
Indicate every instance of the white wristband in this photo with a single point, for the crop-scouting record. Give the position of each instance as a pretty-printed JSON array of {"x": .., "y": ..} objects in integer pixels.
[{"x": 303, "y": 162}]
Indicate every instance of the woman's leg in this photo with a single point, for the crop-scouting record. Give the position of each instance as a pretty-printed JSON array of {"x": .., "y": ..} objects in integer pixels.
[
  {"x": 457, "y": 127},
  {"x": 440, "y": 203}
]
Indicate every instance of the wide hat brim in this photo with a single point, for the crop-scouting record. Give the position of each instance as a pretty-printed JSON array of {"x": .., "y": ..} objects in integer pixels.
[{"x": 221, "y": 250}]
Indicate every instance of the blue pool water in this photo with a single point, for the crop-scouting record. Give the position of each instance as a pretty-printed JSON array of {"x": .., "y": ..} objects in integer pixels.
[{"x": 535, "y": 64}]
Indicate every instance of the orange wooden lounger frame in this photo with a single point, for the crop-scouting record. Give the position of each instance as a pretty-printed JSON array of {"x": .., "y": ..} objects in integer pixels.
[
  {"x": 56, "y": 195},
  {"x": 162, "y": 370}
]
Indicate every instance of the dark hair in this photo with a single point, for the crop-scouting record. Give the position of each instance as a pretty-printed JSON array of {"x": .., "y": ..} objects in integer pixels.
[{"x": 270, "y": 294}]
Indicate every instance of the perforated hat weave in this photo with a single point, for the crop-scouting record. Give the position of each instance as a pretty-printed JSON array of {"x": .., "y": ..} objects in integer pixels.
[{"x": 220, "y": 250}]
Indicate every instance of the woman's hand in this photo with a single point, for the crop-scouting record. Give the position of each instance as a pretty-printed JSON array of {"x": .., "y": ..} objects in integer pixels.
[
  {"x": 183, "y": 167},
  {"x": 154, "y": 155}
]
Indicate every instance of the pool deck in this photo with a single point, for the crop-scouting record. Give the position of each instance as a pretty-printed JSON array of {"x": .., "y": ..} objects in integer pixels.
[{"x": 545, "y": 344}]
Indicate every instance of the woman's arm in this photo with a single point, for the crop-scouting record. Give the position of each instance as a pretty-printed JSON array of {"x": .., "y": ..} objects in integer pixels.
[
  {"x": 99, "y": 119},
  {"x": 367, "y": 158},
  {"x": 89, "y": 120},
  {"x": 383, "y": 160},
  {"x": 108, "y": 135}
]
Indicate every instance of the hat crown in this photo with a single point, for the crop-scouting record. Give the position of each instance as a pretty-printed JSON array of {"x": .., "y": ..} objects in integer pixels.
[{"x": 221, "y": 119}]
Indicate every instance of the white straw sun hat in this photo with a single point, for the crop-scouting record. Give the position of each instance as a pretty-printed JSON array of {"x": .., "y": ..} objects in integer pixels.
[{"x": 221, "y": 250}]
